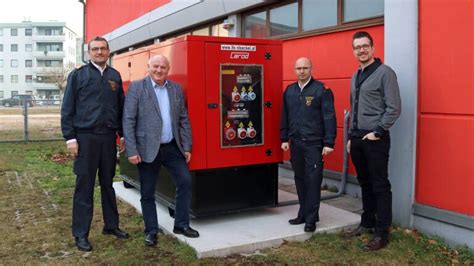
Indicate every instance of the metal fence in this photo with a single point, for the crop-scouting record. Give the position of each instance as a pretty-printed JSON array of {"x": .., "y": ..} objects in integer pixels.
[{"x": 30, "y": 120}]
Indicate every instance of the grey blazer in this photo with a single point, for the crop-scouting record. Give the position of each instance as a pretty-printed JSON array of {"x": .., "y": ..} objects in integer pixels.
[{"x": 142, "y": 120}]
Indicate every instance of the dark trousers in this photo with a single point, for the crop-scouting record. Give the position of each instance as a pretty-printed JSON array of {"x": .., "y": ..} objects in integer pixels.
[
  {"x": 96, "y": 152},
  {"x": 307, "y": 163},
  {"x": 170, "y": 157},
  {"x": 370, "y": 159}
]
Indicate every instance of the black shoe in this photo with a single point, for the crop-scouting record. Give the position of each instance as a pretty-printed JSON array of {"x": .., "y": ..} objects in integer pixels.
[
  {"x": 116, "y": 232},
  {"x": 357, "y": 231},
  {"x": 150, "y": 240},
  {"x": 186, "y": 231},
  {"x": 297, "y": 220},
  {"x": 310, "y": 227},
  {"x": 375, "y": 244},
  {"x": 83, "y": 244}
]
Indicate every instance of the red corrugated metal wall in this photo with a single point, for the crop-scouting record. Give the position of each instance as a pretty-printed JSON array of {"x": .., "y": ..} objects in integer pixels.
[
  {"x": 333, "y": 64},
  {"x": 445, "y": 157}
]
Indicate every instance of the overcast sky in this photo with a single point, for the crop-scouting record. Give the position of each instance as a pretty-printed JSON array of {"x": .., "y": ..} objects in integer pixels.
[{"x": 69, "y": 11}]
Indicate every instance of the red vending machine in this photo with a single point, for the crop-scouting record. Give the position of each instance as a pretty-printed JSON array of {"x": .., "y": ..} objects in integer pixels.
[{"x": 233, "y": 88}]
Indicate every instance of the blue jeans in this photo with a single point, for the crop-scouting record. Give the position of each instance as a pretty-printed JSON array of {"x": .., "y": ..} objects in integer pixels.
[{"x": 170, "y": 157}]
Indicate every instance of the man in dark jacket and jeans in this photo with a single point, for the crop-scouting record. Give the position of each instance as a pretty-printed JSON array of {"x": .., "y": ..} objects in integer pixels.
[
  {"x": 375, "y": 105},
  {"x": 91, "y": 118},
  {"x": 308, "y": 123}
]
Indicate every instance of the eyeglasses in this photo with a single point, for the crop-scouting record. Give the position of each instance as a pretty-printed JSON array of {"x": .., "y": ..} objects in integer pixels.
[
  {"x": 361, "y": 47},
  {"x": 97, "y": 49}
]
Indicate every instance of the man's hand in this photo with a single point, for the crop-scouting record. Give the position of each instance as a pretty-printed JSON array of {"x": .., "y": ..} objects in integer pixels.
[
  {"x": 348, "y": 147},
  {"x": 327, "y": 150},
  {"x": 285, "y": 146},
  {"x": 187, "y": 155},
  {"x": 370, "y": 136},
  {"x": 73, "y": 148},
  {"x": 121, "y": 145},
  {"x": 135, "y": 159}
]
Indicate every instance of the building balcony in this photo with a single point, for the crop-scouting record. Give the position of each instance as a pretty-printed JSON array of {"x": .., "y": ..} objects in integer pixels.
[
  {"x": 49, "y": 38},
  {"x": 48, "y": 70},
  {"x": 49, "y": 54},
  {"x": 44, "y": 86}
]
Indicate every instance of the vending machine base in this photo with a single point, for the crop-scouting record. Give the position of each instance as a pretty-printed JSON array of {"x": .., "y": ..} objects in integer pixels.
[{"x": 216, "y": 191}]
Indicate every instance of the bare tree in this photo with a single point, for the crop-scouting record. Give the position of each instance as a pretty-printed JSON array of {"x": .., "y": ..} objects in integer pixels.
[{"x": 58, "y": 77}]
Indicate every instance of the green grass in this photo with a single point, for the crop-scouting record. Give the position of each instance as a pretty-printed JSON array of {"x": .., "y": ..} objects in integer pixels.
[{"x": 35, "y": 210}]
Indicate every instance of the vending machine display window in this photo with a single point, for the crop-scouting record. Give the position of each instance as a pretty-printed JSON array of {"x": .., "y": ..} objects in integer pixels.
[{"x": 241, "y": 105}]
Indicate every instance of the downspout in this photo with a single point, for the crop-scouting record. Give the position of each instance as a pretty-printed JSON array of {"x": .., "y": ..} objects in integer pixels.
[{"x": 83, "y": 2}]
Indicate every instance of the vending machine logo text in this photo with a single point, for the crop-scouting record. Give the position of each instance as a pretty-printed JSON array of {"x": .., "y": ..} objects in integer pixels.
[{"x": 239, "y": 55}]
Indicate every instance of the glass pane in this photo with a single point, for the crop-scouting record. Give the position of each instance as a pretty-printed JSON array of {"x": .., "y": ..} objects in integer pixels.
[
  {"x": 319, "y": 14},
  {"x": 241, "y": 105},
  {"x": 360, "y": 9},
  {"x": 202, "y": 32},
  {"x": 255, "y": 26},
  {"x": 284, "y": 20},
  {"x": 218, "y": 30}
]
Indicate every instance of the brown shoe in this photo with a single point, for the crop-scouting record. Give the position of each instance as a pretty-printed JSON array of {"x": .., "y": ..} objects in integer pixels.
[
  {"x": 375, "y": 244},
  {"x": 359, "y": 230}
]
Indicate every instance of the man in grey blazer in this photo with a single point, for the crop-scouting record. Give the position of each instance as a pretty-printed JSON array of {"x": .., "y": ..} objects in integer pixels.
[{"x": 157, "y": 132}]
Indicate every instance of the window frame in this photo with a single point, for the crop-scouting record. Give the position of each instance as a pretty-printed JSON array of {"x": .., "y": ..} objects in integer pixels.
[{"x": 340, "y": 25}]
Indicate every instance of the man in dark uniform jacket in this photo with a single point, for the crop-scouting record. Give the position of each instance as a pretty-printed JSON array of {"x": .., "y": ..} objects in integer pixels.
[
  {"x": 308, "y": 123},
  {"x": 91, "y": 118}
]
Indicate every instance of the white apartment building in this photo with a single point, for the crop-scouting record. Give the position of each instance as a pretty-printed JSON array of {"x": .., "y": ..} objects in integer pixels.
[{"x": 31, "y": 54}]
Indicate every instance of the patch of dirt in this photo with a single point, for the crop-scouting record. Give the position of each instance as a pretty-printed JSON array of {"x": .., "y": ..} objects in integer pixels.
[{"x": 61, "y": 158}]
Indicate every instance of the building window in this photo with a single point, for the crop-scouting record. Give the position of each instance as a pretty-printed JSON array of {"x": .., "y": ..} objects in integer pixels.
[
  {"x": 1, "y": 78},
  {"x": 284, "y": 19},
  {"x": 1, "y": 32},
  {"x": 50, "y": 47},
  {"x": 14, "y": 93},
  {"x": 255, "y": 25},
  {"x": 1, "y": 94},
  {"x": 1, "y": 47},
  {"x": 201, "y": 32},
  {"x": 1, "y": 62},
  {"x": 14, "y": 63},
  {"x": 303, "y": 17},
  {"x": 28, "y": 63},
  {"x": 28, "y": 47},
  {"x": 28, "y": 32},
  {"x": 14, "y": 48},
  {"x": 13, "y": 32},
  {"x": 29, "y": 92},
  {"x": 218, "y": 30},
  {"x": 360, "y": 9},
  {"x": 28, "y": 79},
  {"x": 319, "y": 14},
  {"x": 14, "y": 79}
]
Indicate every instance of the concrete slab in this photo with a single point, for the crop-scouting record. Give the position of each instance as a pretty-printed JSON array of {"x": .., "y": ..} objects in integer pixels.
[{"x": 245, "y": 232}]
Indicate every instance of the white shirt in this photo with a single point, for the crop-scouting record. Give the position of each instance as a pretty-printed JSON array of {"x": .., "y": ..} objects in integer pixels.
[{"x": 304, "y": 85}]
